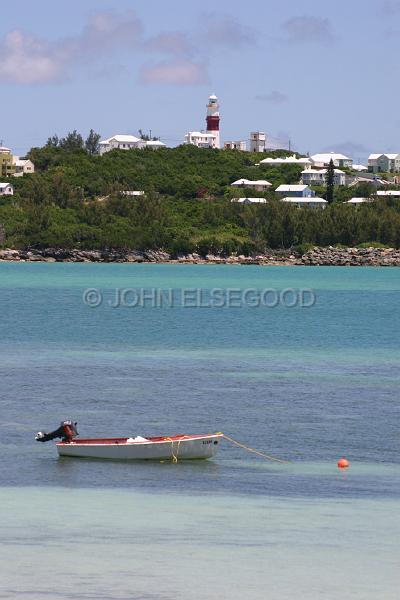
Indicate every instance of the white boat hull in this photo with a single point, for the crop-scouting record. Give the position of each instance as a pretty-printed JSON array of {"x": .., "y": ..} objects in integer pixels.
[{"x": 174, "y": 448}]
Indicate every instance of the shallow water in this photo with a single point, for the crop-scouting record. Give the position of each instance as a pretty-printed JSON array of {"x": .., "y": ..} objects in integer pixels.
[{"x": 307, "y": 385}]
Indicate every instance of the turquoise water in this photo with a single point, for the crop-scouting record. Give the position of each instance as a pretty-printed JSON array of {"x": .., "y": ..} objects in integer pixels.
[{"x": 304, "y": 384}]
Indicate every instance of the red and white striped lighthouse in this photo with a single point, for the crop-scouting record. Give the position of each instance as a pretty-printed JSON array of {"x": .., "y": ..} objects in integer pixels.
[{"x": 213, "y": 119}]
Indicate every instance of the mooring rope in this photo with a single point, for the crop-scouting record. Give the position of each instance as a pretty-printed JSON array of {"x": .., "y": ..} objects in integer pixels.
[
  {"x": 174, "y": 456},
  {"x": 262, "y": 454}
]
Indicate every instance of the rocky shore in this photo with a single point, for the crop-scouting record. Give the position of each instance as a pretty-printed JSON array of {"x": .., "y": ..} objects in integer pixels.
[{"x": 331, "y": 256}]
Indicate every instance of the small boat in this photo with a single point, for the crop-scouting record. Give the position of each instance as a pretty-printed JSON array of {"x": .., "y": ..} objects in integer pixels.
[{"x": 174, "y": 447}]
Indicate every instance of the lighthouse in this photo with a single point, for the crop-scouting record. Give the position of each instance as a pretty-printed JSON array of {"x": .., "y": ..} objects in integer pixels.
[
  {"x": 213, "y": 119},
  {"x": 210, "y": 138}
]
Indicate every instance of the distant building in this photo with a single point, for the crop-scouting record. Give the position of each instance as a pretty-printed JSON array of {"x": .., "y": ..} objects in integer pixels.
[
  {"x": 201, "y": 139},
  {"x": 368, "y": 178},
  {"x": 7, "y": 167},
  {"x": 249, "y": 200},
  {"x": 22, "y": 166},
  {"x": 155, "y": 144},
  {"x": 260, "y": 185},
  {"x": 258, "y": 141},
  {"x": 384, "y": 163},
  {"x": 295, "y": 191},
  {"x": 306, "y": 202},
  {"x": 6, "y": 189},
  {"x": 286, "y": 160},
  {"x": 133, "y": 193},
  {"x": 359, "y": 168},
  {"x": 240, "y": 145},
  {"x": 388, "y": 193},
  {"x": 358, "y": 201},
  {"x": 120, "y": 142},
  {"x": 14, "y": 165},
  {"x": 127, "y": 142},
  {"x": 339, "y": 160},
  {"x": 318, "y": 177}
]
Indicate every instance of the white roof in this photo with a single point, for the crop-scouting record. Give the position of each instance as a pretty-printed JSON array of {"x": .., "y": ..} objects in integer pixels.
[
  {"x": 250, "y": 183},
  {"x": 286, "y": 160},
  {"x": 4, "y": 149},
  {"x": 201, "y": 134},
  {"x": 313, "y": 200},
  {"x": 323, "y": 171},
  {"x": 359, "y": 168},
  {"x": 358, "y": 200},
  {"x": 19, "y": 162},
  {"x": 327, "y": 156},
  {"x": 392, "y": 156},
  {"x": 154, "y": 143},
  {"x": 250, "y": 200},
  {"x": 388, "y": 193},
  {"x": 3, "y": 186},
  {"x": 374, "y": 156},
  {"x": 125, "y": 139},
  {"x": 291, "y": 188}
]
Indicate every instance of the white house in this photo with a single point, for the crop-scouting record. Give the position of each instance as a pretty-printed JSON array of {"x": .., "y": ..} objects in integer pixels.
[
  {"x": 120, "y": 142},
  {"x": 133, "y": 193},
  {"x": 384, "y": 163},
  {"x": 239, "y": 145},
  {"x": 339, "y": 160},
  {"x": 259, "y": 185},
  {"x": 318, "y": 177},
  {"x": 295, "y": 191},
  {"x": 367, "y": 178},
  {"x": 202, "y": 139},
  {"x": 22, "y": 166},
  {"x": 359, "y": 168},
  {"x": 249, "y": 200},
  {"x": 314, "y": 202},
  {"x": 155, "y": 144},
  {"x": 388, "y": 193},
  {"x": 6, "y": 189},
  {"x": 258, "y": 141}
]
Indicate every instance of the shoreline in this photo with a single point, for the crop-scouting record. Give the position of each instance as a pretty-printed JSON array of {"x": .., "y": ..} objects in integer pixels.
[{"x": 317, "y": 256}]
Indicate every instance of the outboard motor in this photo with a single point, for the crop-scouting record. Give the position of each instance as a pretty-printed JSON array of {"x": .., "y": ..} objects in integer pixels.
[{"x": 67, "y": 431}]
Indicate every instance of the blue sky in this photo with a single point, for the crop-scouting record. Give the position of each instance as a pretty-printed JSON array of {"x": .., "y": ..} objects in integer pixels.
[{"x": 324, "y": 74}]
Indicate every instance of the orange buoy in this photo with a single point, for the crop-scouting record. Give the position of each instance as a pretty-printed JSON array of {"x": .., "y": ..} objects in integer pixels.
[{"x": 343, "y": 463}]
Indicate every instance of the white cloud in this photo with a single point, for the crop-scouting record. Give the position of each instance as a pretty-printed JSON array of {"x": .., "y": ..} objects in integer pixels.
[
  {"x": 390, "y": 7},
  {"x": 180, "y": 59},
  {"x": 307, "y": 29},
  {"x": 180, "y": 72},
  {"x": 274, "y": 97},
  {"x": 174, "y": 43},
  {"x": 224, "y": 30},
  {"x": 25, "y": 59}
]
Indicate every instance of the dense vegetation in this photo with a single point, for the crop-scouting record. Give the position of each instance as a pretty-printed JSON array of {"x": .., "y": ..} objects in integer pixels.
[{"x": 74, "y": 200}]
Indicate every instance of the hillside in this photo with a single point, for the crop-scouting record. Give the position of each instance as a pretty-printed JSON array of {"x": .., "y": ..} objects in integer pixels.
[{"x": 74, "y": 201}]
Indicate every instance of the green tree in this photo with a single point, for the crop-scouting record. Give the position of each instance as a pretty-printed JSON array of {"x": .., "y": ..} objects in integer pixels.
[
  {"x": 53, "y": 141},
  {"x": 2, "y": 235},
  {"x": 92, "y": 142},
  {"x": 72, "y": 141},
  {"x": 330, "y": 182}
]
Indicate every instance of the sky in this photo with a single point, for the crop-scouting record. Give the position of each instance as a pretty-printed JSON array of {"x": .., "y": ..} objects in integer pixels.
[{"x": 323, "y": 74}]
